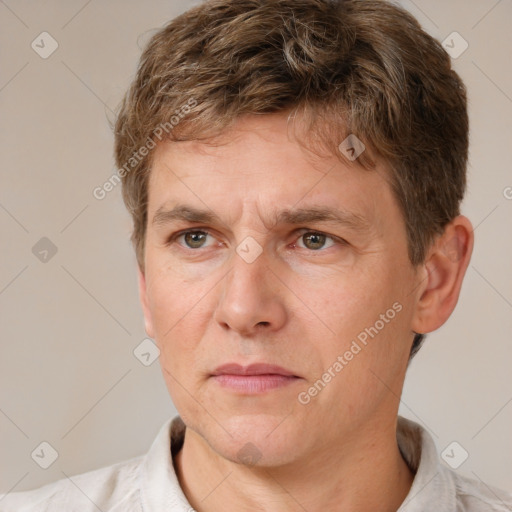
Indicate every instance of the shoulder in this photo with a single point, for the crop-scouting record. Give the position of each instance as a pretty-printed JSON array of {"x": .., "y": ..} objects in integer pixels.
[
  {"x": 120, "y": 487},
  {"x": 437, "y": 487},
  {"x": 473, "y": 495},
  {"x": 114, "y": 488}
]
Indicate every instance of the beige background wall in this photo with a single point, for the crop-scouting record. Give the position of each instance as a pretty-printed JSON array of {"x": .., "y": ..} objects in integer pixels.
[{"x": 68, "y": 375}]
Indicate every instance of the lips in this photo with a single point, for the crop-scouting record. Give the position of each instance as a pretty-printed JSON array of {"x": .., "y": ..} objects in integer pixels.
[
  {"x": 254, "y": 379},
  {"x": 253, "y": 369}
]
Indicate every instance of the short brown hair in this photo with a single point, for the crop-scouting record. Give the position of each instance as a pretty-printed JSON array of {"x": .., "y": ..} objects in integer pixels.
[{"x": 362, "y": 67}]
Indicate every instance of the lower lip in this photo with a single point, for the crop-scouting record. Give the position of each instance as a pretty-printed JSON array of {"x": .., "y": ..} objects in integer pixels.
[{"x": 252, "y": 384}]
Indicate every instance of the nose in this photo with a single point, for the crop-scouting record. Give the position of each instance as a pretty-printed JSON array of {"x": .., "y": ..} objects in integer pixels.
[{"x": 252, "y": 298}]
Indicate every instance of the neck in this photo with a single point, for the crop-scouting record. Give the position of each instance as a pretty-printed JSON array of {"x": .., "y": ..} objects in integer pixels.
[{"x": 366, "y": 473}]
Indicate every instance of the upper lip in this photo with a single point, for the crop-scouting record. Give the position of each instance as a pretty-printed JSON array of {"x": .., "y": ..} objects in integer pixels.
[{"x": 252, "y": 369}]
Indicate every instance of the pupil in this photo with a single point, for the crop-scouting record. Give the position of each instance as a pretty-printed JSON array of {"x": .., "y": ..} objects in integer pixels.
[
  {"x": 316, "y": 239},
  {"x": 195, "y": 239}
]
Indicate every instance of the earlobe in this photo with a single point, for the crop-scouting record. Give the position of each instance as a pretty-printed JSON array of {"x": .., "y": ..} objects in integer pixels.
[
  {"x": 143, "y": 295},
  {"x": 442, "y": 275}
]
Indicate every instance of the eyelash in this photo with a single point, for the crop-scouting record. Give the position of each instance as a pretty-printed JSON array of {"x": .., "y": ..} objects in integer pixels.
[{"x": 303, "y": 231}]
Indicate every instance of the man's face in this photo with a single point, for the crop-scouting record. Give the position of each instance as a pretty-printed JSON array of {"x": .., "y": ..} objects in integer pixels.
[{"x": 263, "y": 281}]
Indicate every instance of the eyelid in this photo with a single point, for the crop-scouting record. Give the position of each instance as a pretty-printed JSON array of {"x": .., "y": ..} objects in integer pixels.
[
  {"x": 172, "y": 238},
  {"x": 336, "y": 239},
  {"x": 297, "y": 233}
]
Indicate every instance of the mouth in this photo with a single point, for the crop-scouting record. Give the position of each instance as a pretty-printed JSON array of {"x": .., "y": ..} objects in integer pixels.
[{"x": 253, "y": 379}]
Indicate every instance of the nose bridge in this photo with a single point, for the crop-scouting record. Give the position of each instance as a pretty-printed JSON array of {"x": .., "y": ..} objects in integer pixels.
[
  {"x": 250, "y": 295},
  {"x": 251, "y": 272}
]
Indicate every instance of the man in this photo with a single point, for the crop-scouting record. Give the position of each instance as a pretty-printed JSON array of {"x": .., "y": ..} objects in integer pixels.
[{"x": 294, "y": 170}]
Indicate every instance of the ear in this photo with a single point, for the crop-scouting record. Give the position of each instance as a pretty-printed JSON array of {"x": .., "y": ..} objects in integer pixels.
[
  {"x": 441, "y": 275},
  {"x": 143, "y": 295}
]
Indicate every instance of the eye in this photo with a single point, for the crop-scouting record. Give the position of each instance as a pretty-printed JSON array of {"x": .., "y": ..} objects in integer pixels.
[
  {"x": 193, "y": 239},
  {"x": 315, "y": 241}
]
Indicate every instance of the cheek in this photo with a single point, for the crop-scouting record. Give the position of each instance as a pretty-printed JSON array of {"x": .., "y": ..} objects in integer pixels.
[
  {"x": 178, "y": 333},
  {"x": 345, "y": 300},
  {"x": 365, "y": 310},
  {"x": 171, "y": 295},
  {"x": 175, "y": 312}
]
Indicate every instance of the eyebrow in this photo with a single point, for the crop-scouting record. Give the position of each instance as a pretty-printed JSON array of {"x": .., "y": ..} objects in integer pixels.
[{"x": 296, "y": 216}]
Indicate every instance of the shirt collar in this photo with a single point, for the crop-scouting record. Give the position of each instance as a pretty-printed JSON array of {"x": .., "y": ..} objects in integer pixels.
[
  {"x": 433, "y": 487},
  {"x": 159, "y": 485}
]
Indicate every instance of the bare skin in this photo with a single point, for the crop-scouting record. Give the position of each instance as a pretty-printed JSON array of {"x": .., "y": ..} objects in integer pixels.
[{"x": 300, "y": 304}]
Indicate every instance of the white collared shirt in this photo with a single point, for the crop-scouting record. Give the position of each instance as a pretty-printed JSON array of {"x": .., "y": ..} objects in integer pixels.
[{"x": 149, "y": 483}]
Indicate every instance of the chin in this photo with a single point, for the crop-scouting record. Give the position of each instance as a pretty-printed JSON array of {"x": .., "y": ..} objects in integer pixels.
[{"x": 259, "y": 440}]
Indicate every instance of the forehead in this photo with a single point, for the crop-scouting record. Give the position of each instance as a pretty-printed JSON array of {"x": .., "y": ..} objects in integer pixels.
[{"x": 259, "y": 162}]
